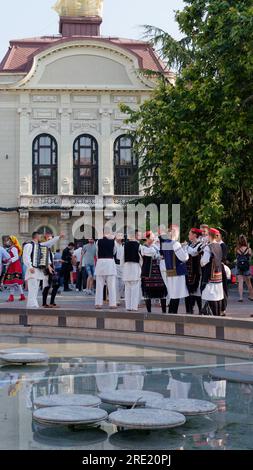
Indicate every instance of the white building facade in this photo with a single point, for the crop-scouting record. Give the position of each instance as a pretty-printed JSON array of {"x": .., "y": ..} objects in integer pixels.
[{"x": 63, "y": 140}]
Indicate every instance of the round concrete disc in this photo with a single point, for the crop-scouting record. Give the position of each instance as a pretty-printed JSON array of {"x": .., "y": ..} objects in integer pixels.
[
  {"x": 67, "y": 400},
  {"x": 21, "y": 351},
  {"x": 188, "y": 407},
  {"x": 69, "y": 415},
  {"x": 146, "y": 419},
  {"x": 128, "y": 397},
  {"x": 24, "y": 358}
]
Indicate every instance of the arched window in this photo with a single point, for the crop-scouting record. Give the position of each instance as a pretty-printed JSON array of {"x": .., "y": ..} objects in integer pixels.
[
  {"x": 125, "y": 167},
  {"x": 45, "y": 165},
  {"x": 85, "y": 155}
]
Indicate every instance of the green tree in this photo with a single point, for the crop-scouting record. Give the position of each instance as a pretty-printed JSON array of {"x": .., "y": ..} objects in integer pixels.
[{"x": 195, "y": 139}]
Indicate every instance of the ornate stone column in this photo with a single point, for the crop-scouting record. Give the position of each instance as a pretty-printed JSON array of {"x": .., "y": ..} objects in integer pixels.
[
  {"x": 65, "y": 165},
  {"x": 24, "y": 222},
  {"x": 25, "y": 152},
  {"x": 106, "y": 173}
]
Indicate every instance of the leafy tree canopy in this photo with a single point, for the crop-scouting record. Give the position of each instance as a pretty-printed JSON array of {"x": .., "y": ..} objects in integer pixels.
[{"x": 194, "y": 139}]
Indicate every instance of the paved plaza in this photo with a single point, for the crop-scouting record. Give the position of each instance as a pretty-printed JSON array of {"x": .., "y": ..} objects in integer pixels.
[{"x": 80, "y": 302}]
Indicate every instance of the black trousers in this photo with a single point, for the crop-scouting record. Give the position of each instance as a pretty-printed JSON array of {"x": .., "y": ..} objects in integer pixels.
[
  {"x": 173, "y": 306},
  {"x": 66, "y": 270},
  {"x": 190, "y": 303},
  {"x": 149, "y": 305},
  {"x": 53, "y": 295},
  {"x": 216, "y": 307}
]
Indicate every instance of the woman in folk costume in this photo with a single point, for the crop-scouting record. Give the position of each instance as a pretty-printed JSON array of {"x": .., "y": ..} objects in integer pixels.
[
  {"x": 193, "y": 278},
  {"x": 152, "y": 283},
  {"x": 13, "y": 277},
  {"x": 175, "y": 261},
  {"x": 211, "y": 285},
  {"x": 131, "y": 271}
]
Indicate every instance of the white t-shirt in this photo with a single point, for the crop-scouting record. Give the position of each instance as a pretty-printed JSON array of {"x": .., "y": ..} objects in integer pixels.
[{"x": 78, "y": 254}]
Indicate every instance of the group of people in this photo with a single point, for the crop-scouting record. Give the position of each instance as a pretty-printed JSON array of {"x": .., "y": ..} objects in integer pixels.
[
  {"x": 137, "y": 268},
  {"x": 163, "y": 268}
]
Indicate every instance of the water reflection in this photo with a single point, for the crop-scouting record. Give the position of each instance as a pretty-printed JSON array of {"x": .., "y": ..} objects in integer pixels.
[{"x": 187, "y": 377}]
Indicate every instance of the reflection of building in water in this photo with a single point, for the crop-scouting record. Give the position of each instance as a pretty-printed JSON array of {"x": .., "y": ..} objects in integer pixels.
[
  {"x": 133, "y": 378},
  {"x": 107, "y": 376}
]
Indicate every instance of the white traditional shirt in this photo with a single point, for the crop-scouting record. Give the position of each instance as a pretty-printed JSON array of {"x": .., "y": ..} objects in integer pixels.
[
  {"x": 106, "y": 266},
  {"x": 176, "y": 285},
  {"x": 27, "y": 260},
  {"x": 131, "y": 270},
  {"x": 213, "y": 291},
  {"x": 119, "y": 256}
]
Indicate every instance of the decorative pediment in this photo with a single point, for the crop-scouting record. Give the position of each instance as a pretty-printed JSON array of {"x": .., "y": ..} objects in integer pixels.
[{"x": 88, "y": 65}]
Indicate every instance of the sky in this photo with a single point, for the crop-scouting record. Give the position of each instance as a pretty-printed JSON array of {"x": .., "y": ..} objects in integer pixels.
[{"x": 123, "y": 18}]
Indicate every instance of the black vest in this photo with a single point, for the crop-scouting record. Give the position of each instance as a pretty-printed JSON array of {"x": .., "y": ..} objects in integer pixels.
[
  {"x": 131, "y": 252},
  {"x": 105, "y": 248}
]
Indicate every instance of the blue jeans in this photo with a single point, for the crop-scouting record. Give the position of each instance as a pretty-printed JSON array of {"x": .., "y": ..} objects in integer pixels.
[{"x": 90, "y": 270}]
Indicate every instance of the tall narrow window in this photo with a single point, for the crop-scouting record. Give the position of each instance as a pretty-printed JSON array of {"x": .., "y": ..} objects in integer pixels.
[
  {"x": 85, "y": 165},
  {"x": 125, "y": 167},
  {"x": 45, "y": 164}
]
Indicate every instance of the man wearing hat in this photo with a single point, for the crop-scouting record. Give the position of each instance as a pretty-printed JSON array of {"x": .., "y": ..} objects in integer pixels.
[
  {"x": 175, "y": 261},
  {"x": 193, "y": 277}
]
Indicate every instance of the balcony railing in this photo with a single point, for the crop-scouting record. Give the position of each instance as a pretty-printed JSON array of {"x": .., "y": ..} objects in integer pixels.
[{"x": 56, "y": 202}]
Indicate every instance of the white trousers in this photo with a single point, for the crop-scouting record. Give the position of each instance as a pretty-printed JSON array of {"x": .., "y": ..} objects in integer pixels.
[
  {"x": 120, "y": 288},
  {"x": 33, "y": 291},
  {"x": 132, "y": 294},
  {"x": 111, "y": 285}
]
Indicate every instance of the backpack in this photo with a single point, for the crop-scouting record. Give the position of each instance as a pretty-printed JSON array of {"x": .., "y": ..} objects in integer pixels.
[{"x": 243, "y": 261}]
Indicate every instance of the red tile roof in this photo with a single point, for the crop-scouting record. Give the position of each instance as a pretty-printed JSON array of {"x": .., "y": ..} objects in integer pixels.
[{"x": 19, "y": 57}]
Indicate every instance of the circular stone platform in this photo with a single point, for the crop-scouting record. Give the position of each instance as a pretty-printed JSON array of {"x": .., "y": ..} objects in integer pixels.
[
  {"x": 69, "y": 415},
  {"x": 128, "y": 397},
  {"x": 21, "y": 351},
  {"x": 233, "y": 376},
  {"x": 24, "y": 358},
  {"x": 187, "y": 407},
  {"x": 67, "y": 400},
  {"x": 146, "y": 419}
]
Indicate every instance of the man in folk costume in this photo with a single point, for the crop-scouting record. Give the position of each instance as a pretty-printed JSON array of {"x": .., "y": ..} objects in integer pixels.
[
  {"x": 106, "y": 270},
  {"x": 175, "y": 260},
  {"x": 153, "y": 286},
  {"x": 193, "y": 277},
  {"x": 211, "y": 286},
  {"x": 51, "y": 279},
  {"x": 131, "y": 272},
  {"x": 13, "y": 276},
  {"x": 226, "y": 272},
  {"x": 34, "y": 274},
  {"x": 163, "y": 235},
  {"x": 120, "y": 288}
]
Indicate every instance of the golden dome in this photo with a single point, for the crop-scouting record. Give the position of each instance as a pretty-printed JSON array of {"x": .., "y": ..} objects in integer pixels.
[{"x": 79, "y": 7}]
